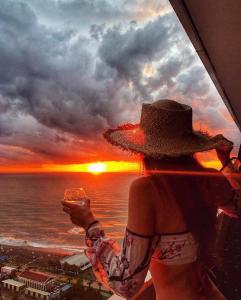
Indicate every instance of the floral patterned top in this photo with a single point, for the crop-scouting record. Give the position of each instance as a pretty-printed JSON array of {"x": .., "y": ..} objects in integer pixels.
[{"x": 124, "y": 270}]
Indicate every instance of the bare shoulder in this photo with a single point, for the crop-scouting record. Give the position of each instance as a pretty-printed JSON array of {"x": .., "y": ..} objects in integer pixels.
[
  {"x": 140, "y": 208},
  {"x": 141, "y": 190},
  {"x": 144, "y": 188},
  {"x": 141, "y": 183}
]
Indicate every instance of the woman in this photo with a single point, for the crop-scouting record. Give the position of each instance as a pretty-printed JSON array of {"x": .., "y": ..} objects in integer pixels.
[{"x": 172, "y": 210}]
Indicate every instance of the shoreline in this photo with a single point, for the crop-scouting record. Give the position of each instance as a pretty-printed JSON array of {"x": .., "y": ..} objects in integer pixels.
[
  {"x": 30, "y": 252},
  {"x": 35, "y": 246},
  {"x": 43, "y": 260}
]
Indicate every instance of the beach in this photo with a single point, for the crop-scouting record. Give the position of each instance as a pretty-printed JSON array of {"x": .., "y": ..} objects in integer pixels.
[{"x": 39, "y": 259}]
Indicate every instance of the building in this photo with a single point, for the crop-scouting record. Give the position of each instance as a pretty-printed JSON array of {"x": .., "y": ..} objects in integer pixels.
[
  {"x": 8, "y": 271},
  {"x": 13, "y": 285},
  {"x": 36, "y": 280},
  {"x": 78, "y": 260},
  {"x": 61, "y": 291},
  {"x": 37, "y": 293}
]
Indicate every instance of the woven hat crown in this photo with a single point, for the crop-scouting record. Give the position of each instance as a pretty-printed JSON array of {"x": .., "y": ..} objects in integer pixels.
[{"x": 166, "y": 118}]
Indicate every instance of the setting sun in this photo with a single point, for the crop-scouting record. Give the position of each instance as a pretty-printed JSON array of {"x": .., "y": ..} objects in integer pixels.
[{"x": 96, "y": 168}]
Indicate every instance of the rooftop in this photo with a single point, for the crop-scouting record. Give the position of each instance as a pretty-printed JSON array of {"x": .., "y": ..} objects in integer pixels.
[
  {"x": 76, "y": 260},
  {"x": 35, "y": 276},
  {"x": 13, "y": 282},
  {"x": 7, "y": 268}
]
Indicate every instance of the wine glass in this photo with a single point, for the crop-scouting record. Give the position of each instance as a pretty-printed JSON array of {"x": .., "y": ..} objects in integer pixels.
[{"x": 76, "y": 196}]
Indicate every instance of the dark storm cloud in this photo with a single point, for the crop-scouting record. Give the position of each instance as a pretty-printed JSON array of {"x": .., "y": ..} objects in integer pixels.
[
  {"x": 97, "y": 31},
  {"x": 128, "y": 52},
  {"x": 172, "y": 66},
  {"x": 45, "y": 75},
  {"x": 59, "y": 85},
  {"x": 53, "y": 75}
]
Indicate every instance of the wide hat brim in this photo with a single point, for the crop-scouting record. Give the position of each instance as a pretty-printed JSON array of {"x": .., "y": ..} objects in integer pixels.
[{"x": 131, "y": 137}]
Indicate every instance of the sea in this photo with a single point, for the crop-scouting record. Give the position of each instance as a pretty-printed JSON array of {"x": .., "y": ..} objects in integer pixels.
[{"x": 31, "y": 211}]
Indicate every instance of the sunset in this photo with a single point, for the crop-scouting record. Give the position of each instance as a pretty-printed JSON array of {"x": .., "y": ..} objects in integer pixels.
[
  {"x": 56, "y": 112},
  {"x": 119, "y": 146},
  {"x": 96, "y": 167}
]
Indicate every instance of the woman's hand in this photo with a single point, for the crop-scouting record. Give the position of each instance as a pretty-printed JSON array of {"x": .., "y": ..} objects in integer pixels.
[
  {"x": 80, "y": 213},
  {"x": 224, "y": 151}
]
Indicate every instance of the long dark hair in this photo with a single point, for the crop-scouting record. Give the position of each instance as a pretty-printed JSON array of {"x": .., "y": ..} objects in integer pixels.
[{"x": 191, "y": 182}]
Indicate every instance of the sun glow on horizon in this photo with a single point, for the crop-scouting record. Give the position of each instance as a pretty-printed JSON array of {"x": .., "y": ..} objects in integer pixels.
[{"x": 97, "y": 168}]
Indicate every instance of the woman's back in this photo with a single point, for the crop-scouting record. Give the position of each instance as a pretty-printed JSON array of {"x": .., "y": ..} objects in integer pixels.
[
  {"x": 166, "y": 140},
  {"x": 170, "y": 192}
]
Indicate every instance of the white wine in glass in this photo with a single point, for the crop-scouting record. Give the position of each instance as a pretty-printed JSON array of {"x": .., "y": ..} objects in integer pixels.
[
  {"x": 79, "y": 197},
  {"x": 75, "y": 196}
]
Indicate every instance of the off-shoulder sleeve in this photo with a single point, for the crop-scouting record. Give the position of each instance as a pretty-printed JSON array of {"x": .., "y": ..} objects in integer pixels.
[
  {"x": 232, "y": 206},
  {"x": 122, "y": 270}
]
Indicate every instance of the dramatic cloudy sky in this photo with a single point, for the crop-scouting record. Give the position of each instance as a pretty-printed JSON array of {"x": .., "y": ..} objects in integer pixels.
[{"x": 69, "y": 69}]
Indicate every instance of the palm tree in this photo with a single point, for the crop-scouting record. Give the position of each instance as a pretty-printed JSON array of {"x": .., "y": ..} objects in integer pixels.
[
  {"x": 89, "y": 282},
  {"x": 100, "y": 285}
]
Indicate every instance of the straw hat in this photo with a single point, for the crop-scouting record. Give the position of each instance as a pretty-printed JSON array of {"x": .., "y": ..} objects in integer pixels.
[{"x": 165, "y": 129}]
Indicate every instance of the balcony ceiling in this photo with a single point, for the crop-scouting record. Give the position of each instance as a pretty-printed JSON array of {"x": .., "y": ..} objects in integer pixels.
[{"x": 214, "y": 28}]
